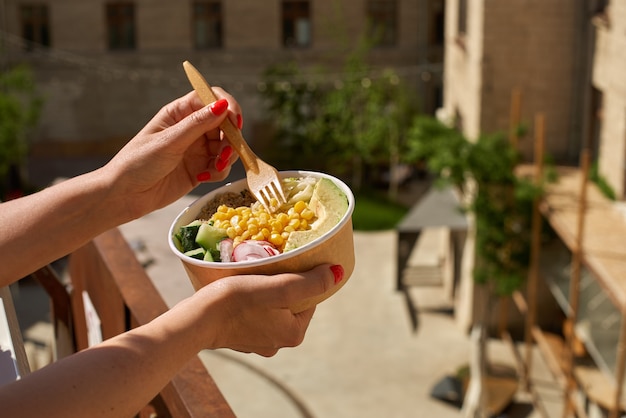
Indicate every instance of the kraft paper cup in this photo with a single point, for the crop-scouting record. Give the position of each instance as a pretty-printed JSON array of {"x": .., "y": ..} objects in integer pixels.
[{"x": 334, "y": 247}]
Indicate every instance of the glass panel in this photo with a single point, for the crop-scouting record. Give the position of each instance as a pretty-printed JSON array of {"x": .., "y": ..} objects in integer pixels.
[
  {"x": 35, "y": 25},
  {"x": 296, "y": 24},
  {"x": 599, "y": 321},
  {"x": 121, "y": 25},
  {"x": 207, "y": 24},
  {"x": 381, "y": 15}
]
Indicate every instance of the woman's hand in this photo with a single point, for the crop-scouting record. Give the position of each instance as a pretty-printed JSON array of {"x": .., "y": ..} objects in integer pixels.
[
  {"x": 251, "y": 314},
  {"x": 179, "y": 148}
]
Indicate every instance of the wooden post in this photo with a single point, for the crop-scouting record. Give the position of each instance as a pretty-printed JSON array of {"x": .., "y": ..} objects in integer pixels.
[
  {"x": 574, "y": 288},
  {"x": 21, "y": 359},
  {"x": 514, "y": 121},
  {"x": 515, "y": 116},
  {"x": 533, "y": 273},
  {"x": 619, "y": 371}
]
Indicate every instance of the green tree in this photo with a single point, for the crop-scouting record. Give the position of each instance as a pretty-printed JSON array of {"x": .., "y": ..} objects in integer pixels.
[
  {"x": 501, "y": 201},
  {"x": 339, "y": 123},
  {"x": 19, "y": 110}
]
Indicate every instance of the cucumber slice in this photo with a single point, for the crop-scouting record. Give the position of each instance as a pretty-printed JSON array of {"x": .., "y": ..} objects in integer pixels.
[
  {"x": 208, "y": 236},
  {"x": 187, "y": 236},
  {"x": 208, "y": 256},
  {"x": 197, "y": 253}
]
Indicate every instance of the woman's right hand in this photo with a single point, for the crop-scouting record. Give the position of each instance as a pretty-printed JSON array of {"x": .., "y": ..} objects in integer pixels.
[{"x": 250, "y": 312}]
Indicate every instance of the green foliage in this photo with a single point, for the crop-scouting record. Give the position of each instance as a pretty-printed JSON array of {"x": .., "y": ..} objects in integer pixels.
[
  {"x": 373, "y": 212},
  {"x": 600, "y": 181},
  {"x": 337, "y": 122},
  {"x": 19, "y": 110},
  {"x": 502, "y": 202}
]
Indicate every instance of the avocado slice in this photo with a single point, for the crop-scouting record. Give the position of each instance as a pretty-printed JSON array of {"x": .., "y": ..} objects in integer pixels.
[{"x": 329, "y": 203}]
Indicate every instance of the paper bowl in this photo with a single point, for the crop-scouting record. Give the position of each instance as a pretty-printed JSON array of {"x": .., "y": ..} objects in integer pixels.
[{"x": 334, "y": 247}]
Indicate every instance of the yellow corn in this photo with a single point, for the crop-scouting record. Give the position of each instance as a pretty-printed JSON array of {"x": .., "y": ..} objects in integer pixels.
[{"x": 256, "y": 223}]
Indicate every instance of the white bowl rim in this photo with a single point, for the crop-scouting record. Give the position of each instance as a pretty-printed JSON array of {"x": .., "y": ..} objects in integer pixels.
[{"x": 194, "y": 208}]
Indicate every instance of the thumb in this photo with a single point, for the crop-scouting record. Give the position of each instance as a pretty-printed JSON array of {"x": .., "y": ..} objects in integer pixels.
[{"x": 314, "y": 282}]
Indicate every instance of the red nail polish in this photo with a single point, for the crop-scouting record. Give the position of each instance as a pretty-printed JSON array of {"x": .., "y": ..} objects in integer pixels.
[
  {"x": 239, "y": 121},
  {"x": 219, "y": 107},
  {"x": 226, "y": 153},
  {"x": 221, "y": 165},
  {"x": 337, "y": 272},
  {"x": 204, "y": 176}
]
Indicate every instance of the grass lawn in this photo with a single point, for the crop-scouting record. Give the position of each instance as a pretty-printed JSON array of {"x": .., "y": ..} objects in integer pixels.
[{"x": 374, "y": 212}]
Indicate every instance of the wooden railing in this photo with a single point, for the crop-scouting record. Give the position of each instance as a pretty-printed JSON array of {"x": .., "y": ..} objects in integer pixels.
[{"x": 124, "y": 297}]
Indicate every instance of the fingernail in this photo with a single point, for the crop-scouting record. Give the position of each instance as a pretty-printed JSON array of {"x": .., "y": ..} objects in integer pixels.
[
  {"x": 219, "y": 107},
  {"x": 226, "y": 153},
  {"x": 221, "y": 165},
  {"x": 204, "y": 176},
  {"x": 239, "y": 121},
  {"x": 337, "y": 272}
]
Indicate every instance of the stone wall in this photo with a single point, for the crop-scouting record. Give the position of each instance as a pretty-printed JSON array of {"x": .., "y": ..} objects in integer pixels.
[{"x": 102, "y": 96}]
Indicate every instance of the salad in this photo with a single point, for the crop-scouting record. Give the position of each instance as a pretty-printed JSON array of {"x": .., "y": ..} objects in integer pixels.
[{"x": 235, "y": 227}]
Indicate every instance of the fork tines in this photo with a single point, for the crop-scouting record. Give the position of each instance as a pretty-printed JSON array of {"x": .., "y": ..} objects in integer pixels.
[{"x": 272, "y": 196}]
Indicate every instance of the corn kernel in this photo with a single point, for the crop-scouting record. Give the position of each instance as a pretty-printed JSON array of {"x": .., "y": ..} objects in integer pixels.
[
  {"x": 253, "y": 229},
  {"x": 277, "y": 226},
  {"x": 307, "y": 214},
  {"x": 282, "y": 218},
  {"x": 276, "y": 239},
  {"x": 299, "y": 206}
]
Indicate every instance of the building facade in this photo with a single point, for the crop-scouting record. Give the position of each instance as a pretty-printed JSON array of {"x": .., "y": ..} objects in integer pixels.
[
  {"x": 106, "y": 67},
  {"x": 565, "y": 58}
]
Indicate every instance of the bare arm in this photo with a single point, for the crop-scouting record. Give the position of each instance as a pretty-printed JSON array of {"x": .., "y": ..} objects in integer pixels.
[
  {"x": 119, "y": 376},
  {"x": 158, "y": 166}
]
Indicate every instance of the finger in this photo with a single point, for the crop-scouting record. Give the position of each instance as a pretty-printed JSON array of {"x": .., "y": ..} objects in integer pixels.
[
  {"x": 315, "y": 282},
  {"x": 234, "y": 110},
  {"x": 193, "y": 126}
]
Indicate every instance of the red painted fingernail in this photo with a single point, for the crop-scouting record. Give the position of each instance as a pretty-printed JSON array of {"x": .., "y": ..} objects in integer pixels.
[
  {"x": 226, "y": 153},
  {"x": 221, "y": 165},
  {"x": 239, "y": 121},
  {"x": 337, "y": 272},
  {"x": 219, "y": 107},
  {"x": 204, "y": 176}
]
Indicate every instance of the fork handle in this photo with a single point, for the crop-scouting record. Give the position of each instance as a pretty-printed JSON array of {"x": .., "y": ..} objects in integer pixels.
[
  {"x": 232, "y": 133},
  {"x": 237, "y": 141}
]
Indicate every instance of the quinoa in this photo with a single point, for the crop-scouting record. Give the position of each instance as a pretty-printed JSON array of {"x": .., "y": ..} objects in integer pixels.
[{"x": 230, "y": 199}]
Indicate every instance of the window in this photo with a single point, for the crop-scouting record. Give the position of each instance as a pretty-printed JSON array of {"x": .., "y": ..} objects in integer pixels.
[
  {"x": 121, "y": 25},
  {"x": 462, "y": 18},
  {"x": 207, "y": 24},
  {"x": 296, "y": 24},
  {"x": 436, "y": 23},
  {"x": 382, "y": 22},
  {"x": 35, "y": 25}
]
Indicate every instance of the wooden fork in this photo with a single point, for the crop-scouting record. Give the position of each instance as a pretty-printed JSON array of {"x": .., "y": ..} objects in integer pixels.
[{"x": 263, "y": 180}]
